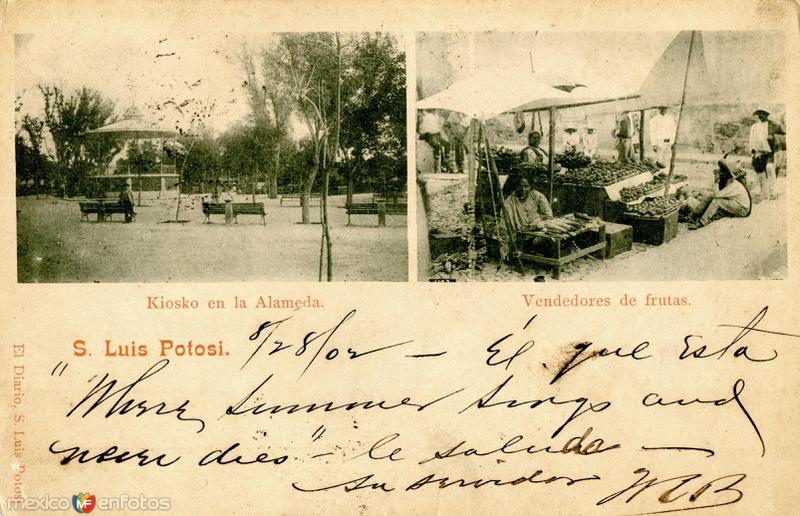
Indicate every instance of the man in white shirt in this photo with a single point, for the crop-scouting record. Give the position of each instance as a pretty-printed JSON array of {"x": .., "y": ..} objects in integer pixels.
[
  {"x": 761, "y": 144},
  {"x": 662, "y": 135},
  {"x": 590, "y": 142},
  {"x": 571, "y": 140}
]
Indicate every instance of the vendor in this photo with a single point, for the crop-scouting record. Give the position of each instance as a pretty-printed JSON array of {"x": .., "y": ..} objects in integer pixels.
[
  {"x": 730, "y": 196},
  {"x": 533, "y": 154},
  {"x": 526, "y": 207}
]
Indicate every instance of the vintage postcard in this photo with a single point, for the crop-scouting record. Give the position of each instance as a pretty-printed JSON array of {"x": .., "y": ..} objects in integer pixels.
[{"x": 272, "y": 257}]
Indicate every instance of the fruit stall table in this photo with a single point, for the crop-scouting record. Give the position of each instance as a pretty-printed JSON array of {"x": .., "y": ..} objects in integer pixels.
[{"x": 565, "y": 247}]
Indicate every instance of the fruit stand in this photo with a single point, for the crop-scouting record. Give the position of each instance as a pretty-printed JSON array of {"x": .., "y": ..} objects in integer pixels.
[
  {"x": 587, "y": 189},
  {"x": 565, "y": 239}
]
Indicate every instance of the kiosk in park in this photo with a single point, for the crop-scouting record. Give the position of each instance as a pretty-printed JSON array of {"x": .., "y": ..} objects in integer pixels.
[{"x": 134, "y": 127}]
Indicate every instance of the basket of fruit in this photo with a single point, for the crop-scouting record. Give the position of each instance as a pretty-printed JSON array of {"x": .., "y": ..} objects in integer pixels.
[
  {"x": 631, "y": 193},
  {"x": 654, "y": 221}
]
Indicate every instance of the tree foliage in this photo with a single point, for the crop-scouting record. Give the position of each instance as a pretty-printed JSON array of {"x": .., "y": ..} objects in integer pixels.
[{"x": 67, "y": 119}]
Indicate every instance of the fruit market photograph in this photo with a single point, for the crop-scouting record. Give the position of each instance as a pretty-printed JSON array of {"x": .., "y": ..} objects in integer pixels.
[
  {"x": 150, "y": 157},
  {"x": 601, "y": 156}
]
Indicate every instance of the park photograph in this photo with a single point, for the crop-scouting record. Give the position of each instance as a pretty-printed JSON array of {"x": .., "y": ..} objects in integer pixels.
[{"x": 210, "y": 157}]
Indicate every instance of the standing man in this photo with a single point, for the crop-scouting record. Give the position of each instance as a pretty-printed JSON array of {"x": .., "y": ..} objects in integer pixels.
[
  {"x": 126, "y": 199},
  {"x": 590, "y": 142},
  {"x": 430, "y": 130},
  {"x": 571, "y": 140},
  {"x": 662, "y": 136},
  {"x": 456, "y": 128},
  {"x": 623, "y": 133},
  {"x": 762, "y": 148}
]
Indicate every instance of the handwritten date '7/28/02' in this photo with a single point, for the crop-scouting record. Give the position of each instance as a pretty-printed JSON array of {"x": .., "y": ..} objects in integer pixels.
[{"x": 316, "y": 343}]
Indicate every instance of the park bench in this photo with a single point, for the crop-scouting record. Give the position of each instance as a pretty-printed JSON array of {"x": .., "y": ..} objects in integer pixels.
[
  {"x": 104, "y": 209},
  {"x": 374, "y": 208},
  {"x": 297, "y": 196},
  {"x": 239, "y": 208}
]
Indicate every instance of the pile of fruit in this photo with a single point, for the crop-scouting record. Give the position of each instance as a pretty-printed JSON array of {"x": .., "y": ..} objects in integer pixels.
[
  {"x": 572, "y": 159},
  {"x": 630, "y": 193},
  {"x": 504, "y": 159},
  {"x": 603, "y": 173},
  {"x": 567, "y": 225},
  {"x": 655, "y": 207}
]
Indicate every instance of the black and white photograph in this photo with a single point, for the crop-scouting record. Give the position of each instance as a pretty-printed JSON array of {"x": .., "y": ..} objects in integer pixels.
[
  {"x": 144, "y": 157},
  {"x": 601, "y": 156}
]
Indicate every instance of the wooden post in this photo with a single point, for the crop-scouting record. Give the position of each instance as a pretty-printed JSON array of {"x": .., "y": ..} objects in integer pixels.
[
  {"x": 680, "y": 114},
  {"x": 228, "y": 211},
  {"x": 381, "y": 214},
  {"x": 551, "y": 150},
  {"x": 641, "y": 135}
]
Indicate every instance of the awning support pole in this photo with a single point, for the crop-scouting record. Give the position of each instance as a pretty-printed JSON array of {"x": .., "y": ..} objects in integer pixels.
[
  {"x": 680, "y": 113},
  {"x": 551, "y": 150}
]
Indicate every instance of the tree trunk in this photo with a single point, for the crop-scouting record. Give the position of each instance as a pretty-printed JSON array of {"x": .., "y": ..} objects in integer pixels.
[
  {"x": 349, "y": 185},
  {"x": 305, "y": 198},
  {"x": 273, "y": 177}
]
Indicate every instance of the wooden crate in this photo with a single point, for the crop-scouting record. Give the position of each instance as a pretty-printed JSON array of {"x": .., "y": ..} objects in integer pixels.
[
  {"x": 653, "y": 230},
  {"x": 613, "y": 211},
  {"x": 446, "y": 243},
  {"x": 584, "y": 199},
  {"x": 619, "y": 239}
]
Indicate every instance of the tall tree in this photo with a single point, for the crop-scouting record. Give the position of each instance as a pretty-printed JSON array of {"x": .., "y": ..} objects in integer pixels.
[
  {"x": 374, "y": 113},
  {"x": 305, "y": 64},
  {"x": 67, "y": 119},
  {"x": 270, "y": 113}
]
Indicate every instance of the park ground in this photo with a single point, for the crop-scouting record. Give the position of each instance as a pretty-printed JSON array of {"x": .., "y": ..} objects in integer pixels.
[
  {"x": 727, "y": 249},
  {"x": 54, "y": 246}
]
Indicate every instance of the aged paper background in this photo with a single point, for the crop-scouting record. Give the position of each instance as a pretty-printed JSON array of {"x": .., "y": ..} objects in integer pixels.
[{"x": 751, "y": 429}]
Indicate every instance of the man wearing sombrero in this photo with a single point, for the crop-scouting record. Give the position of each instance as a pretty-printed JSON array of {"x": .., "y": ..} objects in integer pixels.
[
  {"x": 762, "y": 148},
  {"x": 731, "y": 197}
]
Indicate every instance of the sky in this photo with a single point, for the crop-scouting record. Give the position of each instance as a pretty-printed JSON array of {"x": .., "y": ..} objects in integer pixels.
[
  {"x": 748, "y": 64},
  {"x": 142, "y": 69}
]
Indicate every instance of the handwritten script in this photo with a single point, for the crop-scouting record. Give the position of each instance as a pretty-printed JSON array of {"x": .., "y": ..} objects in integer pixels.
[{"x": 326, "y": 405}]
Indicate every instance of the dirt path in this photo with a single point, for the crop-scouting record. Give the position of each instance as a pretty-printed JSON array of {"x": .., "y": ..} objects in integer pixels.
[{"x": 54, "y": 246}]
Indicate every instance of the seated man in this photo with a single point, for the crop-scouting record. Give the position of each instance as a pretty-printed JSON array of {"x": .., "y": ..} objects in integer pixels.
[
  {"x": 533, "y": 154},
  {"x": 730, "y": 196},
  {"x": 527, "y": 208}
]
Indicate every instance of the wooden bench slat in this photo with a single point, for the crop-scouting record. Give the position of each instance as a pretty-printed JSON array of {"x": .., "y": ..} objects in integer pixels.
[
  {"x": 239, "y": 208},
  {"x": 371, "y": 208},
  {"x": 103, "y": 209}
]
